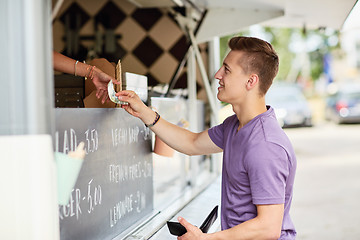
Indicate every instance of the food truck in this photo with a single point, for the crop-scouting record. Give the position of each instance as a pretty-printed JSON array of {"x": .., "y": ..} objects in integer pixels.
[{"x": 129, "y": 183}]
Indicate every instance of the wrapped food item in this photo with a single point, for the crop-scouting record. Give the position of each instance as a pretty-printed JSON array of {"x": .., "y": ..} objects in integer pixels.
[{"x": 68, "y": 168}]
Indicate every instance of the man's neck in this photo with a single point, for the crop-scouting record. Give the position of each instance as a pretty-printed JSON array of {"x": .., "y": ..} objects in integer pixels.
[{"x": 247, "y": 111}]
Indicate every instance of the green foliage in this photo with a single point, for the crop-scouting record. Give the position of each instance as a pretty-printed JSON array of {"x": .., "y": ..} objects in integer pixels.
[
  {"x": 224, "y": 48},
  {"x": 280, "y": 38},
  {"x": 318, "y": 42}
]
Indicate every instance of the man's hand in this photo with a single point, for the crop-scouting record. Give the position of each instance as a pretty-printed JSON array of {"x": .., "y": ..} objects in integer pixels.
[
  {"x": 192, "y": 231},
  {"x": 135, "y": 106}
]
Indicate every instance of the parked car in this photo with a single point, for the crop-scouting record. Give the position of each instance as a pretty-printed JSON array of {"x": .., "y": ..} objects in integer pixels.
[
  {"x": 290, "y": 105},
  {"x": 344, "y": 105}
]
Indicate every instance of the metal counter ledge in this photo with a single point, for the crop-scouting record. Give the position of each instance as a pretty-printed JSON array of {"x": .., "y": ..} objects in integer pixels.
[{"x": 194, "y": 205}]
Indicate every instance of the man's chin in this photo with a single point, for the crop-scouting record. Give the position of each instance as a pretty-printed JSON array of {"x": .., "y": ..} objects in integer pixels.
[{"x": 219, "y": 97}]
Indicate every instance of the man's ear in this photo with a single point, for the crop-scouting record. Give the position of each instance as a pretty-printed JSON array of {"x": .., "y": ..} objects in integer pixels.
[{"x": 252, "y": 81}]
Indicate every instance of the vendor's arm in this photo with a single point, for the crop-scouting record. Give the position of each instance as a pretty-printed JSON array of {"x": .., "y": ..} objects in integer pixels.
[
  {"x": 68, "y": 65},
  {"x": 176, "y": 137},
  {"x": 65, "y": 64},
  {"x": 266, "y": 225}
]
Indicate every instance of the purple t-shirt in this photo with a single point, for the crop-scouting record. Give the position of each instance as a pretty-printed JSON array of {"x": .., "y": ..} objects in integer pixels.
[{"x": 259, "y": 167}]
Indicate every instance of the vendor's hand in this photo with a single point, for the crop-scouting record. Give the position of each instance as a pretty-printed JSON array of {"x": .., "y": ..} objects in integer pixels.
[
  {"x": 101, "y": 80},
  {"x": 192, "y": 231},
  {"x": 135, "y": 106}
]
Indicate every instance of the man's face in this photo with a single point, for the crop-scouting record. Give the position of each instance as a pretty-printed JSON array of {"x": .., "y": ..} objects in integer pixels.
[{"x": 232, "y": 79}]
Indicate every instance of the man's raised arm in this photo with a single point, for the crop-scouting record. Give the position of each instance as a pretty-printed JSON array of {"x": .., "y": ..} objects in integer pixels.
[{"x": 180, "y": 139}]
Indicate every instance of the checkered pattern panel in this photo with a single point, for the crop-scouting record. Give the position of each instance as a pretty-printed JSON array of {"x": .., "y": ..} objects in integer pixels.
[{"x": 148, "y": 41}]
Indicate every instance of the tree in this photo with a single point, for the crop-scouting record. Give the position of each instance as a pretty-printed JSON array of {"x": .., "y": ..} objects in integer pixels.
[{"x": 293, "y": 44}]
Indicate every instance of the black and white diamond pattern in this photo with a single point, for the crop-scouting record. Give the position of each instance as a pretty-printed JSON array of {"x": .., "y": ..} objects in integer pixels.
[{"x": 148, "y": 41}]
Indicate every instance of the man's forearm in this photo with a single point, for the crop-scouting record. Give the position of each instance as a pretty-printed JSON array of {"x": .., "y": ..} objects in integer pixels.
[
  {"x": 249, "y": 230},
  {"x": 176, "y": 137},
  {"x": 266, "y": 225}
]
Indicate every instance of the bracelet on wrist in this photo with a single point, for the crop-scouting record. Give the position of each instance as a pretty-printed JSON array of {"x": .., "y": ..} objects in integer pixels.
[
  {"x": 75, "y": 67},
  {"x": 157, "y": 117},
  {"x": 87, "y": 70},
  {"x": 91, "y": 74}
]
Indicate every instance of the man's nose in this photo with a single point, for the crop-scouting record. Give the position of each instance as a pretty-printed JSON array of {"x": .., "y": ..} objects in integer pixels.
[{"x": 218, "y": 74}]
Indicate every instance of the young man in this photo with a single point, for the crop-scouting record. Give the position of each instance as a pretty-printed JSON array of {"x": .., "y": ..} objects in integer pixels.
[{"x": 258, "y": 160}]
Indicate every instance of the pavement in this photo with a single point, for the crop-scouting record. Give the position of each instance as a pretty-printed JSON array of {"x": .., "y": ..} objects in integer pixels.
[{"x": 327, "y": 184}]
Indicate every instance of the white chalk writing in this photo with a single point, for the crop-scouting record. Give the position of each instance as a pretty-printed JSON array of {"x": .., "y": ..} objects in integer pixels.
[
  {"x": 122, "y": 136},
  {"x": 123, "y": 172},
  {"x": 92, "y": 140},
  {"x": 93, "y": 198},
  {"x": 70, "y": 141},
  {"x": 127, "y": 205}
]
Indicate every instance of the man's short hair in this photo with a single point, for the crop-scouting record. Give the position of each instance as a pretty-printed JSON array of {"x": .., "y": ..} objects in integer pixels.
[{"x": 259, "y": 58}]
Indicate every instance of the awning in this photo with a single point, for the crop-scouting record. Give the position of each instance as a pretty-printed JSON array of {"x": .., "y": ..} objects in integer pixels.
[{"x": 225, "y": 17}]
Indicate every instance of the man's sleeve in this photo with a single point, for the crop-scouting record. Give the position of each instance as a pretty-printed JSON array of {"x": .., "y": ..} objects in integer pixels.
[
  {"x": 216, "y": 134},
  {"x": 268, "y": 170}
]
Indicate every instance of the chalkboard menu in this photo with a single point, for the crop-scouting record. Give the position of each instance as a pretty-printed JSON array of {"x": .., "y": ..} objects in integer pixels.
[{"x": 115, "y": 185}]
